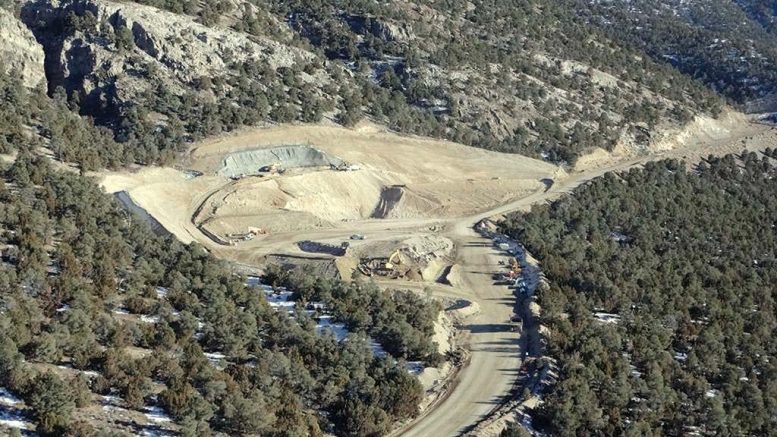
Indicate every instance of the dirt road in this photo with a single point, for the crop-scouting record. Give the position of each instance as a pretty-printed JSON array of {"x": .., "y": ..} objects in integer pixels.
[{"x": 495, "y": 349}]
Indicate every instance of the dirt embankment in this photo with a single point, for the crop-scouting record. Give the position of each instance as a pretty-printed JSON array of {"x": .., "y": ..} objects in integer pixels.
[
  {"x": 389, "y": 199},
  {"x": 729, "y": 133},
  {"x": 168, "y": 195},
  {"x": 387, "y": 176},
  {"x": 126, "y": 200}
]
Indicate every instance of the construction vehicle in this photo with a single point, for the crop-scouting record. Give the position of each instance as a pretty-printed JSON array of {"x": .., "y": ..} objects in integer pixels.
[
  {"x": 393, "y": 260},
  {"x": 273, "y": 168},
  {"x": 248, "y": 236},
  {"x": 344, "y": 166},
  {"x": 390, "y": 267}
]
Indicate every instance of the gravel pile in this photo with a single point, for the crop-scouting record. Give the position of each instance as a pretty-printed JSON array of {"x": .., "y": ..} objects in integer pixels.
[{"x": 250, "y": 162}]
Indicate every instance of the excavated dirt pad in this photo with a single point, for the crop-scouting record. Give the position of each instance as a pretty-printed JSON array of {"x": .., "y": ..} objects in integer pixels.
[
  {"x": 402, "y": 178},
  {"x": 170, "y": 196},
  {"x": 423, "y": 256},
  {"x": 399, "y": 177},
  {"x": 426, "y": 160}
]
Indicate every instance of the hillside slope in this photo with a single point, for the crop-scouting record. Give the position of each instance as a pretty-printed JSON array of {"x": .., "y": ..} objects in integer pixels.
[
  {"x": 20, "y": 52},
  {"x": 519, "y": 76},
  {"x": 727, "y": 44}
]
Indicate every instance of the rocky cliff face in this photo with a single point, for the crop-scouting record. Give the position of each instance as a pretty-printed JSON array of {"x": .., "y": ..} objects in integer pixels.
[
  {"x": 19, "y": 51},
  {"x": 111, "y": 55}
]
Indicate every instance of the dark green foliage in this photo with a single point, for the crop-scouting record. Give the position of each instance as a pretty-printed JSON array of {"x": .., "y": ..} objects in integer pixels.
[
  {"x": 493, "y": 33},
  {"x": 51, "y": 401},
  {"x": 401, "y": 321},
  {"x": 26, "y": 113},
  {"x": 688, "y": 261},
  {"x": 514, "y": 430},
  {"x": 374, "y": 71},
  {"x": 71, "y": 255},
  {"x": 729, "y": 45}
]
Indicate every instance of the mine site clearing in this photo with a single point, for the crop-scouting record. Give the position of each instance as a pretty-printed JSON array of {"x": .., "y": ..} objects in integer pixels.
[
  {"x": 303, "y": 178},
  {"x": 367, "y": 200},
  {"x": 329, "y": 192}
]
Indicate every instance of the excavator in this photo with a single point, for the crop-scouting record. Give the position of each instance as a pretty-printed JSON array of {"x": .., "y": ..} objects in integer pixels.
[
  {"x": 393, "y": 260},
  {"x": 382, "y": 266}
]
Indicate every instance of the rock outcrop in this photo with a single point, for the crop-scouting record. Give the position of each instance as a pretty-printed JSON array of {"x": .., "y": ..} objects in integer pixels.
[
  {"x": 386, "y": 30},
  {"x": 19, "y": 50},
  {"x": 112, "y": 54}
]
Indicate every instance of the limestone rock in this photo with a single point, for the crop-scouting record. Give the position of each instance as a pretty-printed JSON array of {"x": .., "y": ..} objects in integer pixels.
[
  {"x": 20, "y": 51},
  {"x": 113, "y": 53}
]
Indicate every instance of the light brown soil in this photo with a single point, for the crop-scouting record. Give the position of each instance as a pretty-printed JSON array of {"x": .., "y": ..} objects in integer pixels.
[
  {"x": 730, "y": 133},
  {"x": 166, "y": 194},
  {"x": 407, "y": 179},
  {"x": 400, "y": 177}
]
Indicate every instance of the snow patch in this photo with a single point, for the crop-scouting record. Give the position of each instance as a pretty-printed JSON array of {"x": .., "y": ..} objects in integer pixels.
[
  {"x": 161, "y": 292},
  {"x": 338, "y": 329},
  {"x": 216, "y": 358},
  {"x": 7, "y": 398},
  {"x": 680, "y": 356},
  {"x": 415, "y": 368},
  {"x": 149, "y": 319},
  {"x": 157, "y": 415},
  {"x": 607, "y": 317}
]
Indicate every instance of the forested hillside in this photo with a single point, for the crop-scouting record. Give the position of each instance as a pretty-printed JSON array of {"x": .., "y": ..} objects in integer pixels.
[
  {"x": 29, "y": 120},
  {"x": 662, "y": 280},
  {"x": 729, "y": 45},
  {"x": 98, "y": 312},
  {"x": 520, "y": 76},
  {"x": 661, "y": 301},
  {"x": 544, "y": 79}
]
